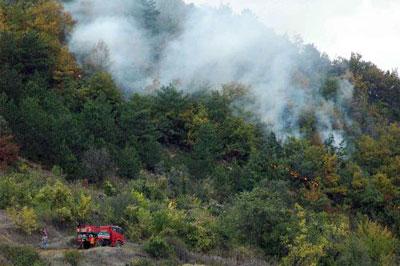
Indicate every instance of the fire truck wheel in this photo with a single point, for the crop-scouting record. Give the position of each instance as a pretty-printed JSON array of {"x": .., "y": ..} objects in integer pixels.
[
  {"x": 118, "y": 244},
  {"x": 86, "y": 245}
]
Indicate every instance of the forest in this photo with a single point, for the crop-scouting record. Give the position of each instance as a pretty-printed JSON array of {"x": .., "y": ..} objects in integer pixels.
[{"x": 197, "y": 167}]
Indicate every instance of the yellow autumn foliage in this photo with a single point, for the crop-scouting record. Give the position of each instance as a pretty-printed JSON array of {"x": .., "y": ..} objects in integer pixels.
[
  {"x": 49, "y": 17},
  {"x": 25, "y": 219}
]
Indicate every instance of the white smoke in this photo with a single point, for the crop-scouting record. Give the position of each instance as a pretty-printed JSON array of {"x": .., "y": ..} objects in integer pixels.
[
  {"x": 110, "y": 22},
  {"x": 214, "y": 46}
]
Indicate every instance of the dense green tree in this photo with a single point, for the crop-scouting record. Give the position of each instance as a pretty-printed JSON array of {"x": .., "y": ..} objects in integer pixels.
[
  {"x": 266, "y": 161},
  {"x": 136, "y": 119},
  {"x": 169, "y": 105},
  {"x": 150, "y": 152},
  {"x": 206, "y": 151},
  {"x": 22, "y": 57},
  {"x": 37, "y": 120},
  {"x": 382, "y": 87},
  {"x": 97, "y": 164},
  {"x": 128, "y": 162},
  {"x": 237, "y": 139},
  {"x": 262, "y": 218},
  {"x": 304, "y": 159},
  {"x": 98, "y": 120},
  {"x": 101, "y": 85}
]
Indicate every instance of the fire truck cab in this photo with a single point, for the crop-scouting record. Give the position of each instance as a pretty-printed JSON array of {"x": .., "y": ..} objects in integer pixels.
[{"x": 91, "y": 236}]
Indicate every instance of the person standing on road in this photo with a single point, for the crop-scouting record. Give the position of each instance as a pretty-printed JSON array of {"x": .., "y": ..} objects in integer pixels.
[{"x": 45, "y": 238}]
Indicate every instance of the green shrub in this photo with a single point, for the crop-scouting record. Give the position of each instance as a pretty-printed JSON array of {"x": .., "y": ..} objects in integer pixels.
[
  {"x": 313, "y": 240},
  {"x": 201, "y": 233},
  {"x": 17, "y": 189},
  {"x": 25, "y": 219},
  {"x": 55, "y": 196},
  {"x": 141, "y": 220},
  {"x": 21, "y": 256},
  {"x": 55, "y": 202},
  {"x": 57, "y": 171},
  {"x": 157, "y": 247},
  {"x": 8, "y": 190},
  {"x": 109, "y": 189},
  {"x": 369, "y": 244},
  {"x": 83, "y": 207},
  {"x": 72, "y": 257},
  {"x": 261, "y": 218},
  {"x": 166, "y": 219},
  {"x": 112, "y": 209}
]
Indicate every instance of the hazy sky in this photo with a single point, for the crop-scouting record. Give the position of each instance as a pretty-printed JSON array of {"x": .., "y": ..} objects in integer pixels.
[{"x": 339, "y": 27}]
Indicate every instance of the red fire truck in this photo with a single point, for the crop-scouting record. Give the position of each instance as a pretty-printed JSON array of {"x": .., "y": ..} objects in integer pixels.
[{"x": 97, "y": 236}]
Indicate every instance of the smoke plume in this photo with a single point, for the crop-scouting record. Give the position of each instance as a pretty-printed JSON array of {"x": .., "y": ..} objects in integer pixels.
[{"x": 146, "y": 45}]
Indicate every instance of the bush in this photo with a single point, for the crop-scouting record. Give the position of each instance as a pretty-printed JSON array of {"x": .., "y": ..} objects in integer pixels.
[
  {"x": 157, "y": 247},
  {"x": 200, "y": 230},
  {"x": 55, "y": 202},
  {"x": 72, "y": 257},
  {"x": 25, "y": 219},
  {"x": 8, "y": 151},
  {"x": 112, "y": 209},
  {"x": 17, "y": 189},
  {"x": 261, "y": 218},
  {"x": 21, "y": 256},
  {"x": 370, "y": 244},
  {"x": 109, "y": 189},
  {"x": 83, "y": 207},
  {"x": 8, "y": 190},
  {"x": 141, "y": 221},
  {"x": 57, "y": 171},
  {"x": 313, "y": 243},
  {"x": 63, "y": 215}
]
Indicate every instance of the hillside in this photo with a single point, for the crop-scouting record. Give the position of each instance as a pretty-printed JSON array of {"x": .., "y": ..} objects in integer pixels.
[
  {"x": 243, "y": 148},
  {"x": 62, "y": 240}
]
